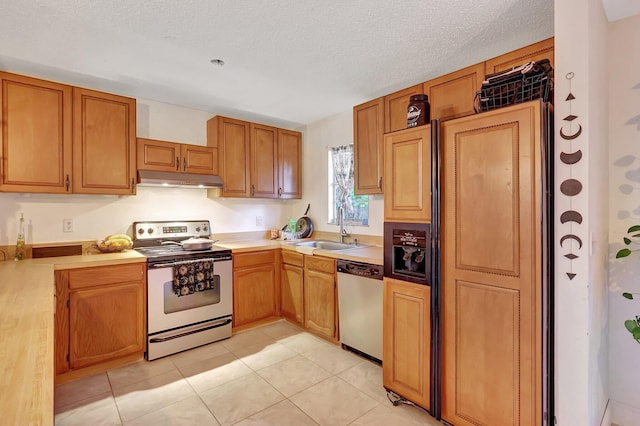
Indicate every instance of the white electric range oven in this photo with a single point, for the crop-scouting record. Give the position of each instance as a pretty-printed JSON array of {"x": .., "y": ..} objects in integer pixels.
[{"x": 180, "y": 320}]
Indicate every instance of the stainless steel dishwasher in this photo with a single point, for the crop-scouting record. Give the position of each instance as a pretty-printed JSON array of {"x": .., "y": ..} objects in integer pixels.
[{"x": 360, "y": 307}]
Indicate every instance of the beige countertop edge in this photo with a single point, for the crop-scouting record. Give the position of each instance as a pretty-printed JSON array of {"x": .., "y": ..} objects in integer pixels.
[
  {"x": 26, "y": 330},
  {"x": 91, "y": 260}
]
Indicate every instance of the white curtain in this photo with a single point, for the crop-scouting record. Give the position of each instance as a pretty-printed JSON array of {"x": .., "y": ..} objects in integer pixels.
[{"x": 342, "y": 161}]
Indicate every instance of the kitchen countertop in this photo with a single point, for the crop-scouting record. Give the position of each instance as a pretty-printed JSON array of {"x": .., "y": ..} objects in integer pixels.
[
  {"x": 369, "y": 254},
  {"x": 27, "y": 309}
]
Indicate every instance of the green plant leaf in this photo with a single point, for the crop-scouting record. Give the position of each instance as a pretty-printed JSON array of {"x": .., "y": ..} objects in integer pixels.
[
  {"x": 634, "y": 228},
  {"x": 636, "y": 333},
  {"x": 635, "y": 235},
  {"x": 628, "y": 296},
  {"x": 630, "y": 325},
  {"x": 627, "y": 241},
  {"x": 623, "y": 253}
]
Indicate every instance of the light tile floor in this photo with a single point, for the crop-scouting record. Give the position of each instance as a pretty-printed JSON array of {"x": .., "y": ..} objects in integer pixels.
[{"x": 276, "y": 374}]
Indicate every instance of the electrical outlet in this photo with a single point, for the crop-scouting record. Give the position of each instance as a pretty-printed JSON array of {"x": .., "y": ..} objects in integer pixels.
[
  {"x": 259, "y": 221},
  {"x": 67, "y": 225}
]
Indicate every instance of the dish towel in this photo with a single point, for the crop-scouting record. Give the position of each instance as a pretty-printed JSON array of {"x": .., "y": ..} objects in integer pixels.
[{"x": 192, "y": 276}]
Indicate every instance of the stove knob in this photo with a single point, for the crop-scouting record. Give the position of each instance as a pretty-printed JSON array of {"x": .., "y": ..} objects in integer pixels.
[
  {"x": 197, "y": 229},
  {"x": 205, "y": 229},
  {"x": 140, "y": 231},
  {"x": 150, "y": 231}
]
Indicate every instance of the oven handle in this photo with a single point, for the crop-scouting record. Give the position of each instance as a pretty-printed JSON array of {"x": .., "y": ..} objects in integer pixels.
[
  {"x": 165, "y": 339},
  {"x": 170, "y": 264}
]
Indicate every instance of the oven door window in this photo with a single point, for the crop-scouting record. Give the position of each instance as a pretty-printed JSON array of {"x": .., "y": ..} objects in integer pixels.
[{"x": 173, "y": 303}]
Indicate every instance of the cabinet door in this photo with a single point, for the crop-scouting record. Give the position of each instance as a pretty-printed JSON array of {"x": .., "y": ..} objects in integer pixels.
[
  {"x": 452, "y": 95},
  {"x": 199, "y": 159},
  {"x": 406, "y": 365},
  {"x": 289, "y": 164},
  {"x": 395, "y": 108},
  {"x": 533, "y": 52},
  {"x": 232, "y": 140},
  {"x": 254, "y": 294},
  {"x": 320, "y": 302},
  {"x": 106, "y": 323},
  {"x": 292, "y": 293},
  {"x": 368, "y": 133},
  {"x": 158, "y": 155},
  {"x": 408, "y": 175},
  {"x": 264, "y": 161},
  {"x": 36, "y": 138},
  {"x": 491, "y": 268},
  {"x": 104, "y": 143}
]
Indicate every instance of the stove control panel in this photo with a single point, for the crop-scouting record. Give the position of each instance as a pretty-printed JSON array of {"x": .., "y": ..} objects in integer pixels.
[{"x": 174, "y": 229}]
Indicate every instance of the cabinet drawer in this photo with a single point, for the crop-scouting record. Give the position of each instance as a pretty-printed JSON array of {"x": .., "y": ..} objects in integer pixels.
[
  {"x": 292, "y": 258},
  {"x": 91, "y": 277},
  {"x": 321, "y": 264},
  {"x": 242, "y": 260}
]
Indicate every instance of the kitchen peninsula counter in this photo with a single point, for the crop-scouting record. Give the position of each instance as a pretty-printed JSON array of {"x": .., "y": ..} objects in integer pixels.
[{"x": 27, "y": 309}]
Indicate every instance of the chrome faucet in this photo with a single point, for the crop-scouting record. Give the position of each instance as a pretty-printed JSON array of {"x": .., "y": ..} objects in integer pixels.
[{"x": 342, "y": 231}]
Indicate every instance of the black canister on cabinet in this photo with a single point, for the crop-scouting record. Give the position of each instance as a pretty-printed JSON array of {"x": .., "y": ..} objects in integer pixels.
[{"x": 419, "y": 111}]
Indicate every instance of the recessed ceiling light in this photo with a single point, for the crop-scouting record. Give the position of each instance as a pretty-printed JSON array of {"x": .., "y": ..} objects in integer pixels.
[{"x": 219, "y": 62}]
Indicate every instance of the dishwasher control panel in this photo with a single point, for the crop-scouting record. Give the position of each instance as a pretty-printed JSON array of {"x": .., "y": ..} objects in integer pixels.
[{"x": 366, "y": 270}]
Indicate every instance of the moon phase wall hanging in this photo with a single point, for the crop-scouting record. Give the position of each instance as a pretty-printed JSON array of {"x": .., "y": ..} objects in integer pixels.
[{"x": 571, "y": 187}]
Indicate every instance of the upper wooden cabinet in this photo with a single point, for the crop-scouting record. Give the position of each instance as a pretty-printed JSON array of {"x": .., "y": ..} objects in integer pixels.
[
  {"x": 407, "y": 175},
  {"x": 452, "y": 95},
  {"x": 264, "y": 161},
  {"x": 395, "y": 108},
  {"x": 176, "y": 157},
  {"x": 256, "y": 160},
  {"x": 533, "y": 52},
  {"x": 368, "y": 151},
  {"x": 62, "y": 139},
  {"x": 289, "y": 164},
  {"x": 36, "y": 136},
  {"x": 231, "y": 137},
  {"x": 104, "y": 143}
]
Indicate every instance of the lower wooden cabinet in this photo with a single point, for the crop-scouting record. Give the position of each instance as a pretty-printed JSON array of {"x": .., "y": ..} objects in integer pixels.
[
  {"x": 292, "y": 279},
  {"x": 320, "y": 297},
  {"x": 255, "y": 293},
  {"x": 406, "y": 357},
  {"x": 100, "y": 315}
]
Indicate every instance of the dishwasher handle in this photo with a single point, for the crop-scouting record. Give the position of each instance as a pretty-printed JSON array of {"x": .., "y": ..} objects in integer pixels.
[{"x": 364, "y": 270}]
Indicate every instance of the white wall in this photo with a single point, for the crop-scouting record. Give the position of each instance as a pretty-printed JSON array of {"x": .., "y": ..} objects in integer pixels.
[
  {"x": 624, "y": 174},
  {"x": 318, "y": 137},
  {"x": 96, "y": 216},
  {"x": 581, "y": 375}
]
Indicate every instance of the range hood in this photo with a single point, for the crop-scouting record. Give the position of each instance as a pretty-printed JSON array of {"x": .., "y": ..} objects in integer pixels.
[{"x": 178, "y": 180}]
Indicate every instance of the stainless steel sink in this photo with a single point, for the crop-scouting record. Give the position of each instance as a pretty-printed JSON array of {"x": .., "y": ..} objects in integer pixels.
[{"x": 329, "y": 245}]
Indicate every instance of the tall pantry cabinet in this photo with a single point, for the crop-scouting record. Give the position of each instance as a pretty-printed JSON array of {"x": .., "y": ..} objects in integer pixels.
[{"x": 493, "y": 272}]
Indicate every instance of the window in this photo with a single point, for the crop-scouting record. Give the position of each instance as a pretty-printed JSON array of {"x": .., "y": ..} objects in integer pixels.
[{"x": 356, "y": 207}]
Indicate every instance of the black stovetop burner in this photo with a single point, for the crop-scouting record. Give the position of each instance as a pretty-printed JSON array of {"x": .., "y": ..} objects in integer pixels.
[
  {"x": 170, "y": 253},
  {"x": 150, "y": 236}
]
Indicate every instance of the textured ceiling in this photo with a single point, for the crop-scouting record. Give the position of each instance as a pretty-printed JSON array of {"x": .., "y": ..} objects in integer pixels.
[{"x": 288, "y": 62}]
